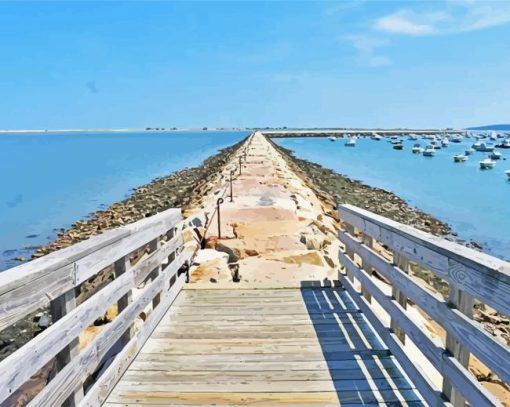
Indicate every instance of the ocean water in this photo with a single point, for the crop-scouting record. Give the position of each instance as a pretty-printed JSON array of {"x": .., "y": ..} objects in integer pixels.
[
  {"x": 476, "y": 203},
  {"x": 50, "y": 180}
]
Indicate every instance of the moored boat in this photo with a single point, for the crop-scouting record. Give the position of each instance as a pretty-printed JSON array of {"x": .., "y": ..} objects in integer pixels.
[
  {"x": 504, "y": 144},
  {"x": 445, "y": 142},
  {"x": 460, "y": 158},
  {"x": 429, "y": 151},
  {"x": 484, "y": 147},
  {"x": 332, "y": 138},
  {"x": 417, "y": 149},
  {"x": 351, "y": 142},
  {"x": 487, "y": 164},
  {"x": 398, "y": 146},
  {"x": 495, "y": 155},
  {"x": 456, "y": 139},
  {"x": 376, "y": 136},
  {"x": 507, "y": 172},
  {"x": 469, "y": 151}
]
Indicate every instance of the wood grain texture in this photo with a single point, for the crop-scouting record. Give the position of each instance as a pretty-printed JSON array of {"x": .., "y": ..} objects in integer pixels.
[
  {"x": 485, "y": 277},
  {"x": 255, "y": 347}
]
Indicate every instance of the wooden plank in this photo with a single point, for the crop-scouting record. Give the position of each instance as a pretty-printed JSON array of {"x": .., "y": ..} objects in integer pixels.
[
  {"x": 30, "y": 286},
  {"x": 294, "y": 398},
  {"x": 403, "y": 264},
  {"x": 105, "y": 383},
  {"x": 432, "y": 349},
  {"x": 59, "y": 308},
  {"x": 464, "y": 303},
  {"x": 158, "y": 382},
  {"x": 89, "y": 358},
  {"x": 485, "y": 277},
  {"x": 430, "y": 393},
  {"x": 466, "y": 331}
]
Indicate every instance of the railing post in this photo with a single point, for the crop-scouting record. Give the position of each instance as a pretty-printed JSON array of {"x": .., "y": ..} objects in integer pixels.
[
  {"x": 369, "y": 242},
  {"x": 231, "y": 193},
  {"x": 153, "y": 246},
  {"x": 240, "y": 164},
  {"x": 464, "y": 303},
  {"x": 403, "y": 264},
  {"x": 59, "y": 307},
  {"x": 349, "y": 252},
  {"x": 120, "y": 267}
]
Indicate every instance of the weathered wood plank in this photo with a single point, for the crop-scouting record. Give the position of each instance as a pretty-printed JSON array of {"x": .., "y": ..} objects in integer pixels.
[
  {"x": 485, "y": 277},
  {"x": 33, "y": 285},
  {"x": 89, "y": 358},
  {"x": 432, "y": 349},
  {"x": 105, "y": 383},
  {"x": 465, "y": 330},
  {"x": 430, "y": 393}
]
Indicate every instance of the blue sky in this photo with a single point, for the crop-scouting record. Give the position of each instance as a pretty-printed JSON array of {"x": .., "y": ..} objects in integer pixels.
[{"x": 306, "y": 64}]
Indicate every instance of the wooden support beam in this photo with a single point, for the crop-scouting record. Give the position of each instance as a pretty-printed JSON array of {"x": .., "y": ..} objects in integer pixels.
[
  {"x": 59, "y": 307},
  {"x": 464, "y": 303},
  {"x": 403, "y": 264}
]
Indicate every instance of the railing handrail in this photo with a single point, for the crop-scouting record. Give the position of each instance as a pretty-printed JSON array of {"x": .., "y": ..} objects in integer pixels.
[
  {"x": 453, "y": 262},
  {"x": 52, "y": 280},
  {"x": 30, "y": 286},
  {"x": 470, "y": 274}
]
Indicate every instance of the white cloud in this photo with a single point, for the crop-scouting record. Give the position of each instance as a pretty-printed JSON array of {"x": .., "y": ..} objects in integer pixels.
[
  {"x": 367, "y": 47},
  {"x": 379, "y": 60},
  {"x": 402, "y": 22},
  {"x": 454, "y": 16}
]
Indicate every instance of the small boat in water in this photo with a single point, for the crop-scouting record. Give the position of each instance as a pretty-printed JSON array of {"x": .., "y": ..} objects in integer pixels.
[
  {"x": 376, "y": 136},
  {"x": 487, "y": 164},
  {"x": 507, "y": 172},
  {"x": 429, "y": 151},
  {"x": 413, "y": 137},
  {"x": 398, "y": 146},
  {"x": 484, "y": 147},
  {"x": 495, "y": 155},
  {"x": 417, "y": 149},
  {"x": 469, "y": 151},
  {"x": 460, "y": 158},
  {"x": 504, "y": 144},
  {"x": 456, "y": 139},
  {"x": 351, "y": 142},
  {"x": 332, "y": 138},
  {"x": 445, "y": 142}
]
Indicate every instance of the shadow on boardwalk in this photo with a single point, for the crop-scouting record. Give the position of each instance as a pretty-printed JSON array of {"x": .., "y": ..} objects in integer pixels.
[{"x": 362, "y": 369}]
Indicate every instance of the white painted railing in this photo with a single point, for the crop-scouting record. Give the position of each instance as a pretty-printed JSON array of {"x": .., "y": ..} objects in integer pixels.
[
  {"x": 144, "y": 259},
  {"x": 470, "y": 275}
]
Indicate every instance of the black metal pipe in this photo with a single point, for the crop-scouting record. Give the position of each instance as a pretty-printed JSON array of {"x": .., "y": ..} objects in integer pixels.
[
  {"x": 231, "y": 193},
  {"x": 219, "y": 201}
]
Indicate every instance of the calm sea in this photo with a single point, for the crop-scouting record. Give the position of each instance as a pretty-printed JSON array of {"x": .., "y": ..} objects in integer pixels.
[
  {"x": 50, "y": 180},
  {"x": 474, "y": 202}
]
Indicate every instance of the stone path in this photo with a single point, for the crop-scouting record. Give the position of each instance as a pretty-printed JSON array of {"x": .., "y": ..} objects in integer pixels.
[{"x": 280, "y": 333}]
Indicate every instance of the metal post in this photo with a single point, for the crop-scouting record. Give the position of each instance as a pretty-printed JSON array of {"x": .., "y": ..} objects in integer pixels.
[
  {"x": 240, "y": 164},
  {"x": 231, "y": 194},
  {"x": 219, "y": 201}
]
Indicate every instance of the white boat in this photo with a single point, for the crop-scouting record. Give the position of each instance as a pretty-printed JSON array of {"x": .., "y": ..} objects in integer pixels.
[
  {"x": 413, "y": 137},
  {"x": 504, "y": 144},
  {"x": 417, "y": 149},
  {"x": 435, "y": 144},
  {"x": 469, "y": 151},
  {"x": 507, "y": 172},
  {"x": 351, "y": 142},
  {"x": 429, "y": 151},
  {"x": 460, "y": 158},
  {"x": 495, "y": 155},
  {"x": 376, "y": 136},
  {"x": 456, "y": 139},
  {"x": 332, "y": 138},
  {"x": 483, "y": 147},
  {"x": 445, "y": 142},
  {"x": 487, "y": 164}
]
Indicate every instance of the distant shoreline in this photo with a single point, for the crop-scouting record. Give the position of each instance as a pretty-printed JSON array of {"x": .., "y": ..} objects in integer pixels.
[{"x": 134, "y": 130}]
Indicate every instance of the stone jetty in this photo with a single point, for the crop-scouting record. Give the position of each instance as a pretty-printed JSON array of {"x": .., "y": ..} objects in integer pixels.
[{"x": 275, "y": 231}]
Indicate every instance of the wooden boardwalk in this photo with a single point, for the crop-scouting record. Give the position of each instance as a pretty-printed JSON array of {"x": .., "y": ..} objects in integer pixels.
[{"x": 309, "y": 346}]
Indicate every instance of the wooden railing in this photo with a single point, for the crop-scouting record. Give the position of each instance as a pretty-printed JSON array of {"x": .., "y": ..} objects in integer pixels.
[
  {"x": 376, "y": 244},
  {"x": 144, "y": 263}
]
